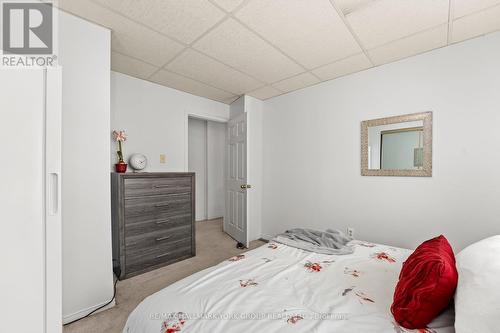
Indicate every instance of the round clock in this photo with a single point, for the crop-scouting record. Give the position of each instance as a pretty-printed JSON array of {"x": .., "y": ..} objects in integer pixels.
[{"x": 138, "y": 161}]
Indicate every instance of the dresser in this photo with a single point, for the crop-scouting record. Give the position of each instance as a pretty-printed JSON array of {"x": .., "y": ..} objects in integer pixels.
[{"x": 152, "y": 220}]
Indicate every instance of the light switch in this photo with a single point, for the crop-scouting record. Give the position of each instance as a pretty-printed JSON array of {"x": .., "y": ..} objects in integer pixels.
[{"x": 162, "y": 159}]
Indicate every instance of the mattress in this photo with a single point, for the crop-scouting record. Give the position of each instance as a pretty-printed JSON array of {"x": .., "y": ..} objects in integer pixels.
[{"x": 277, "y": 288}]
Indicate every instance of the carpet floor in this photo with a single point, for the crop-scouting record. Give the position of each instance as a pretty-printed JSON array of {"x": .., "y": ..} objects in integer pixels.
[{"x": 212, "y": 247}]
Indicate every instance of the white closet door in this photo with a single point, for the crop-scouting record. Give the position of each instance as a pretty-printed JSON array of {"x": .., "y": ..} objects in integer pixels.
[
  {"x": 53, "y": 223},
  {"x": 23, "y": 249}
]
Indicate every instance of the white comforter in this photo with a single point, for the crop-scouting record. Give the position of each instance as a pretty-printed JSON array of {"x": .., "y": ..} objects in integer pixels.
[{"x": 277, "y": 288}]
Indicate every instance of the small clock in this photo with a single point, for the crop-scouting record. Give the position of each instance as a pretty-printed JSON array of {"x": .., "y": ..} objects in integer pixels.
[{"x": 138, "y": 161}]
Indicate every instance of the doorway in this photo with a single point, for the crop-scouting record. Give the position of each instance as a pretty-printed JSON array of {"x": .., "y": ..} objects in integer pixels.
[{"x": 207, "y": 159}]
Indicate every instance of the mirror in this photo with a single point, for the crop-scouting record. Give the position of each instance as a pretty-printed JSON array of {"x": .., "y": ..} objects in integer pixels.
[{"x": 397, "y": 146}]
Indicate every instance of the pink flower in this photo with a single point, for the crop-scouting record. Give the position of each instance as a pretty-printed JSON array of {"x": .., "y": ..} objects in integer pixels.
[
  {"x": 383, "y": 256},
  {"x": 119, "y": 135},
  {"x": 313, "y": 266}
]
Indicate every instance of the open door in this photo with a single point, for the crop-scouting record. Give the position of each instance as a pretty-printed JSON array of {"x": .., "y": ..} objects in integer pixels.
[{"x": 235, "y": 221}]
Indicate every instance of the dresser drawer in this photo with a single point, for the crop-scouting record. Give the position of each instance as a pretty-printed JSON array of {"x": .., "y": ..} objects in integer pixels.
[
  {"x": 157, "y": 239},
  {"x": 138, "y": 187},
  {"x": 153, "y": 220},
  {"x": 146, "y": 224},
  {"x": 159, "y": 256},
  {"x": 157, "y": 207}
]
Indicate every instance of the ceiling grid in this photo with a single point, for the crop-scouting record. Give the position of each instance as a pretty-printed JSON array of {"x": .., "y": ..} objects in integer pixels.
[{"x": 220, "y": 49}]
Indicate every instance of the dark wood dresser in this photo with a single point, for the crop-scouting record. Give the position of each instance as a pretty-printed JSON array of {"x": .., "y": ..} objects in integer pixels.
[{"x": 152, "y": 219}]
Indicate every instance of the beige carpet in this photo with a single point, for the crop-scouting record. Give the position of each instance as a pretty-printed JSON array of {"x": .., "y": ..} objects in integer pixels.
[{"x": 212, "y": 247}]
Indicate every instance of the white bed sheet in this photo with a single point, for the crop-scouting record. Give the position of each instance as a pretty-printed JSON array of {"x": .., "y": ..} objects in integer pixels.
[{"x": 277, "y": 288}]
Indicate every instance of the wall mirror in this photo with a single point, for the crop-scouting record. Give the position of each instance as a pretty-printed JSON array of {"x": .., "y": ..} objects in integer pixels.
[{"x": 397, "y": 146}]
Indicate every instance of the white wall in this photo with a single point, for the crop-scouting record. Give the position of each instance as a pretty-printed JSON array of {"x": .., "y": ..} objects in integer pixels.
[
  {"x": 237, "y": 107},
  {"x": 84, "y": 54},
  {"x": 156, "y": 120},
  {"x": 312, "y": 151}
]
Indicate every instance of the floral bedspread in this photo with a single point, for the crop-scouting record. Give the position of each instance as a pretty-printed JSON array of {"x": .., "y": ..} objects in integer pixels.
[{"x": 277, "y": 288}]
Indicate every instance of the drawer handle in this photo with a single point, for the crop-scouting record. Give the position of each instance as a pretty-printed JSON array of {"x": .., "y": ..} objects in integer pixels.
[
  {"x": 163, "y": 221},
  {"x": 163, "y": 255},
  {"x": 159, "y": 239},
  {"x": 162, "y": 186},
  {"x": 162, "y": 205}
]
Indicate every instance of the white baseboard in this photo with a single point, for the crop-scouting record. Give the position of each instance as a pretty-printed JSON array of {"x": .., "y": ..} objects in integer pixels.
[
  {"x": 83, "y": 313},
  {"x": 266, "y": 237}
]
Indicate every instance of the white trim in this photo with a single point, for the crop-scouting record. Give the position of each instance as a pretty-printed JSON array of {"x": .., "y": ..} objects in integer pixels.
[
  {"x": 266, "y": 237},
  {"x": 186, "y": 142},
  {"x": 84, "y": 312},
  {"x": 207, "y": 117},
  {"x": 205, "y": 123}
]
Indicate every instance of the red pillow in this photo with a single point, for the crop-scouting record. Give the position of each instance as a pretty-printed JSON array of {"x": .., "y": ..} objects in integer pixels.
[{"x": 426, "y": 284}]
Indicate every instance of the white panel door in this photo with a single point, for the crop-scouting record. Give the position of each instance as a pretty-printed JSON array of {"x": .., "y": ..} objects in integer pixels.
[
  {"x": 235, "y": 221},
  {"x": 29, "y": 196}
]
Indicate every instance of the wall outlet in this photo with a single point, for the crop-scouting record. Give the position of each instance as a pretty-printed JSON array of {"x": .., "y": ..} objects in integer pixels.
[
  {"x": 350, "y": 232},
  {"x": 163, "y": 159}
]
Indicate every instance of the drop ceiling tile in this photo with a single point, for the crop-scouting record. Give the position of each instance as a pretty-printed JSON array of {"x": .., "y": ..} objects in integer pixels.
[
  {"x": 265, "y": 92},
  {"x": 183, "y": 20},
  {"x": 130, "y": 66},
  {"x": 409, "y": 46},
  {"x": 93, "y": 12},
  {"x": 311, "y": 32},
  {"x": 343, "y": 67},
  {"x": 235, "y": 45},
  {"x": 146, "y": 45},
  {"x": 297, "y": 82},
  {"x": 466, "y": 7},
  {"x": 474, "y": 25},
  {"x": 179, "y": 82},
  {"x": 228, "y": 5},
  {"x": 349, "y": 6},
  {"x": 378, "y": 22},
  {"x": 128, "y": 37},
  {"x": 202, "y": 68}
]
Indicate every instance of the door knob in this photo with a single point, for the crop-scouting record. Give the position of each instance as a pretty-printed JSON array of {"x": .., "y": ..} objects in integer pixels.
[{"x": 245, "y": 186}]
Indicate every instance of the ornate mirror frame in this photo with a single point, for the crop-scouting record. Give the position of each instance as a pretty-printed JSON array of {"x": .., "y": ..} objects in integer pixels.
[{"x": 426, "y": 170}]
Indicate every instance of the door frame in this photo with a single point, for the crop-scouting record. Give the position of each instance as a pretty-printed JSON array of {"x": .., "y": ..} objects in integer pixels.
[{"x": 200, "y": 116}]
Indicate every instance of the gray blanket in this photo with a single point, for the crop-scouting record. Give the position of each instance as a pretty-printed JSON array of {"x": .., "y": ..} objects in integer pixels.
[{"x": 325, "y": 242}]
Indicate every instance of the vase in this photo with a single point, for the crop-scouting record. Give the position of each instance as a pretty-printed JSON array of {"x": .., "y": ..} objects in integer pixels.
[{"x": 121, "y": 167}]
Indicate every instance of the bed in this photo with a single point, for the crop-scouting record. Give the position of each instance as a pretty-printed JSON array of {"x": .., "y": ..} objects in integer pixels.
[{"x": 278, "y": 288}]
